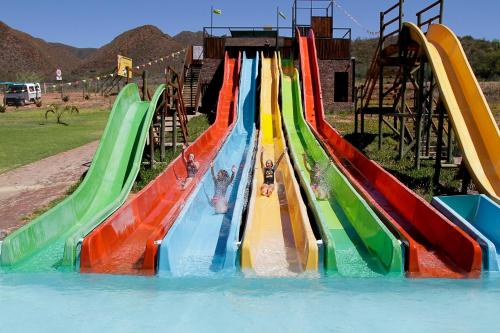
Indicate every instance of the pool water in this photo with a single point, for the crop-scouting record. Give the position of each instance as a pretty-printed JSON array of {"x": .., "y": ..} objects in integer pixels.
[{"x": 56, "y": 301}]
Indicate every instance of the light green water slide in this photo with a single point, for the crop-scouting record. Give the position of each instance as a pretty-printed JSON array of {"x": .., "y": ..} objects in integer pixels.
[
  {"x": 355, "y": 242},
  {"x": 51, "y": 240}
]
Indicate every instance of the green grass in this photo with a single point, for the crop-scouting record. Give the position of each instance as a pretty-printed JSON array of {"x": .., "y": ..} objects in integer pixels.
[
  {"x": 419, "y": 181},
  {"x": 27, "y": 137}
]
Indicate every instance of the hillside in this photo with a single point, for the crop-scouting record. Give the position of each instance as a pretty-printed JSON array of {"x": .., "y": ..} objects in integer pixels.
[
  {"x": 189, "y": 38},
  {"x": 142, "y": 44},
  {"x": 22, "y": 55}
]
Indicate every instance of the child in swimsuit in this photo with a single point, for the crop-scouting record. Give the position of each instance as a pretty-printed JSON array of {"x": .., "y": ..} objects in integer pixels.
[
  {"x": 221, "y": 182},
  {"x": 268, "y": 168},
  {"x": 317, "y": 182},
  {"x": 192, "y": 167}
]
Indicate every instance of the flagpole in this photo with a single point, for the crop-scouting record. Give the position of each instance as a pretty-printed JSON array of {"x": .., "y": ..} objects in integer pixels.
[{"x": 211, "y": 20}]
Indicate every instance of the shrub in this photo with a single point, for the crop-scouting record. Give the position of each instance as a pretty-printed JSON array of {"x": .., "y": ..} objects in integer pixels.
[
  {"x": 3, "y": 108},
  {"x": 59, "y": 111},
  {"x": 65, "y": 99}
]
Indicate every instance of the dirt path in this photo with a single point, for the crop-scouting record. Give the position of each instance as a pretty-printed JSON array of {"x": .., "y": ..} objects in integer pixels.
[{"x": 25, "y": 189}]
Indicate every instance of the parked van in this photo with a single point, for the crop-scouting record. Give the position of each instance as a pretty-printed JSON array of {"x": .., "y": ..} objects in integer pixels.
[{"x": 22, "y": 93}]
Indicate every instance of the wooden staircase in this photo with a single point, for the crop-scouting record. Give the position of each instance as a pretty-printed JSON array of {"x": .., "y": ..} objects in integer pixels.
[{"x": 191, "y": 87}]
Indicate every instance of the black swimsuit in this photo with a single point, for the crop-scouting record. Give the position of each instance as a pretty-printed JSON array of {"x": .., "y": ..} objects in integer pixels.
[
  {"x": 191, "y": 169},
  {"x": 269, "y": 176}
]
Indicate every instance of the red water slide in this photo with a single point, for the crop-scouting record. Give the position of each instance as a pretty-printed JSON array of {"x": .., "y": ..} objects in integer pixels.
[
  {"x": 126, "y": 243},
  {"x": 434, "y": 246}
]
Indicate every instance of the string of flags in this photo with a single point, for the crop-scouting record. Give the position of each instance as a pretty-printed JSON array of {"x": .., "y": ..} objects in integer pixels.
[
  {"x": 103, "y": 77},
  {"x": 352, "y": 18}
]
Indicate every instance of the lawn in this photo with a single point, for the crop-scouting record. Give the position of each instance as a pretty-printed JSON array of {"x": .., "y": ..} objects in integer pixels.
[{"x": 27, "y": 137}]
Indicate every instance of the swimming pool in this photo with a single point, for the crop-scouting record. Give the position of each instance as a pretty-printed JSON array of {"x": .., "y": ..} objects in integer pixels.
[{"x": 85, "y": 302}]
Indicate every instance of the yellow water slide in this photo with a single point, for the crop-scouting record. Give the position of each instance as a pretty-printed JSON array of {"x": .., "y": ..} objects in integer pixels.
[
  {"x": 278, "y": 239},
  {"x": 468, "y": 110}
]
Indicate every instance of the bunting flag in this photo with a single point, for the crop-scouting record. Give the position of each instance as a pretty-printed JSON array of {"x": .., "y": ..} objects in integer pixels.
[
  {"x": 352, "y": 18},
  {"x": 282, "y": 15},
  {"x": 217, "y": 11},
  {"x": 98, "y": 78}
]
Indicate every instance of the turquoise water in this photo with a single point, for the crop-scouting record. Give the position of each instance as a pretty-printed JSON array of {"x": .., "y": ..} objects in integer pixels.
[{"x": 53, "y": 302}]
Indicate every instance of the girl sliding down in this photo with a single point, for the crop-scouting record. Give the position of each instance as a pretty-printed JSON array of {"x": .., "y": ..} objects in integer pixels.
[
  {"x": 221, "y": 183},
  {"x": 192, "y": 167},
  {"x": 317, "y": 183},
  {"x": 268, "y": 168}
]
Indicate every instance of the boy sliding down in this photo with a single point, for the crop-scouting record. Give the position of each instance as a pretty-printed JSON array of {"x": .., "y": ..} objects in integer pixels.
[
  {"x": 221, "y": 183},
  {"x": 317, "y": 183},
  {"x": 268, "y": 168}
]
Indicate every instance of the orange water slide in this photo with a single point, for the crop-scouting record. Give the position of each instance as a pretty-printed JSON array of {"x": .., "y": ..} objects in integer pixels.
[{"x": 127, "y": 242}]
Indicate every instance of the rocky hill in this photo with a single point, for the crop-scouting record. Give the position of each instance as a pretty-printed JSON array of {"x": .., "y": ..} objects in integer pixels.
[
  {"x": 24, "y": 56},
  {"x": 142, "y": 44}
]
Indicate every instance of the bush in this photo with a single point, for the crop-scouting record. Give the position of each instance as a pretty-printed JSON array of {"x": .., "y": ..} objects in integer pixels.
[
  {"x": 3, "y": 108},
  {"x": 58, "y": 111},
  {"x": 38, "y": 103},
  {"x": 65, "y": 99},
  {"x": 87, "y": 97}
]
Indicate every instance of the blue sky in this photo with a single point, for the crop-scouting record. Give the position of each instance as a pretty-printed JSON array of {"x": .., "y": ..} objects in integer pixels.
[{"x": 93, "y": 23}]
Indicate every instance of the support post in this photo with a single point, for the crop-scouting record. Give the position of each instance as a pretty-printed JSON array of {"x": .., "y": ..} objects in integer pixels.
[
  {"x": 439, "y": 144},
  {"x": 449, "y": 146},
  {"x": 380, "y": 83},
  {"x": 402, "y": 118},
  {"x": 361, "y": 111},
  {"x": 356, "y": 113},
  {"x": 151, "y": 133},
  {"x": 420, "y": 108},
  {"x": 430, "y": 99},
  {"x": 163, "y": 113}
]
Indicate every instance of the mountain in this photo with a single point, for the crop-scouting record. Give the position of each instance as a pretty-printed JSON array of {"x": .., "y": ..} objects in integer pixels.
[
  {"x": 26, "y": 58},
  {"x": 24, "y": 55},
  {"x": 189, "y": 38},
  {"x": 142, "y": 44}
]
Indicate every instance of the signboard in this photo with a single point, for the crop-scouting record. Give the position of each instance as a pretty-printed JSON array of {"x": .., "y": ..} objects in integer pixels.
[
  {"x": 58, "y": 75},
  {"x": 123, "y": 64}
]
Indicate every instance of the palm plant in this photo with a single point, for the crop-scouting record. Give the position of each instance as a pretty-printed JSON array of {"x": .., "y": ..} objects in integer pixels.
[{"x": 59, "y": 111}]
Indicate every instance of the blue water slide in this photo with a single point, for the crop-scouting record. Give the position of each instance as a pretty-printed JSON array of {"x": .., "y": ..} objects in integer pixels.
[
  {"x": 202, "y": 242},
  {"x": 479, "y": 217}
]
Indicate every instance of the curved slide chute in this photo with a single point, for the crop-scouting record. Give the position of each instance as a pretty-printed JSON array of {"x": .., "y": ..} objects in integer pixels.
[
  {"x": 127, "y": 242},
  {"x": 355, "y": 242},
  {"x": 471, "y": 117},
  {"x": 435, "y": 247},
  {"x": 278, "y": 239},
  {"x": 202, "y": 242},
  {"x": 50, "y": 241}
]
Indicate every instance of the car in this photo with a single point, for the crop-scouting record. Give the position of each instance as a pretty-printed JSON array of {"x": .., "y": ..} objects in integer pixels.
[{"x": 19, "y": 94}]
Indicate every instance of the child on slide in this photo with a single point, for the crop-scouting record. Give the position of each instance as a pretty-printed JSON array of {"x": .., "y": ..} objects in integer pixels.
[
  {"x": 317, "y": 182},
  {"x": 221, "y": 183},
  {"x": 269, "y": 168},
  {"x": 192, "y": 167}
]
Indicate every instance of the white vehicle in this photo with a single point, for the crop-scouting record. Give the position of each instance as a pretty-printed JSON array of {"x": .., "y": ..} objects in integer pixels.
[{"x": 22, "y": 93}]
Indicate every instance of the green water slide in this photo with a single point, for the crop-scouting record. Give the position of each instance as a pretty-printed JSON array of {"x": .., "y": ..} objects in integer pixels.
[
  {"x": 355, "y": 242},
  {"x": 50, "y": 241}
]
